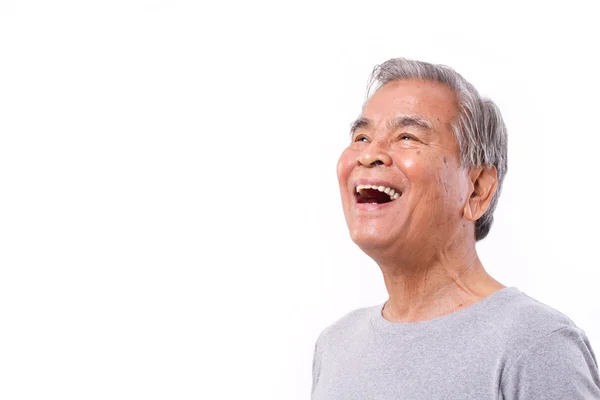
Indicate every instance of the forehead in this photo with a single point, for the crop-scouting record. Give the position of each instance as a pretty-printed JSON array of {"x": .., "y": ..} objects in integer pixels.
[{"x": 431, "y": 100}]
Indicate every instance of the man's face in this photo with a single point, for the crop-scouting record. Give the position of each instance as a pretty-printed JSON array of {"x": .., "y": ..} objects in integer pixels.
[{"x": 404, "y": 141}]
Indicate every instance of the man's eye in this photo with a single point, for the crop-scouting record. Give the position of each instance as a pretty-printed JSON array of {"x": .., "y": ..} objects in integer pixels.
[
  {"x": 361, "y": 138},
  {"x": 405, "y": 137}
]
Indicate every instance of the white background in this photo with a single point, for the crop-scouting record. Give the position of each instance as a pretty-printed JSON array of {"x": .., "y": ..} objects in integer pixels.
[{"x": 170, "y": 223}]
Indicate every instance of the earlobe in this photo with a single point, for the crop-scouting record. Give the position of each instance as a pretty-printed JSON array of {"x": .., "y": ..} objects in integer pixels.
[{"x": 468, "y": 213}]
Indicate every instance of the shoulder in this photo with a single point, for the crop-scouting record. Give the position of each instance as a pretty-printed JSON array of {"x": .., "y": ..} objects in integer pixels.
[
  {"x": 523, "y": 320},
  {"x": 558, "y": 365},
  {"x": 544, "y": 352},
  {"x": 354, "y": 323}
]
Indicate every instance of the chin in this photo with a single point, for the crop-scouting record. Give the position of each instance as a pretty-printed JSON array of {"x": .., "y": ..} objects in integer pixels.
[{"x": 370, "y": 240}]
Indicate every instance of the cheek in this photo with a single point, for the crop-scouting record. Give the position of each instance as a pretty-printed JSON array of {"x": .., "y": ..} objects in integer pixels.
[
  {"x": 452, "y": 185},
  {"x": 415, "y": 166},
  {"x": 345, "y": 164},
  {"x": 430, "y": 177},
  {"x": 410, "y": 164}
]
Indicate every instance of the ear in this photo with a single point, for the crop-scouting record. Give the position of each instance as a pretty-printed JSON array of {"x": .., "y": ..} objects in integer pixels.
[{"x": 483, "y": 185}]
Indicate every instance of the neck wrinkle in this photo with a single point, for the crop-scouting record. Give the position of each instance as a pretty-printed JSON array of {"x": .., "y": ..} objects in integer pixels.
[{"x": 435, "y": 287}]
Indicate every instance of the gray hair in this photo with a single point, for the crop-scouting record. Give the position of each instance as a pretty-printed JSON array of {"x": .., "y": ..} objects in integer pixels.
[{"x": 479, "y": 128}]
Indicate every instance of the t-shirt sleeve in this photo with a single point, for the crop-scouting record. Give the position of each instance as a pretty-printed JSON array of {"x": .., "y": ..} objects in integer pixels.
[
  {"x": 316, "y": 367},
  {"x": 559, "y": 366}
]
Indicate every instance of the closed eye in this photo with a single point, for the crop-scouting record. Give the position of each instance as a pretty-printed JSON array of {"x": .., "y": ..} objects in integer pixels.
[{"x": 406, "y": 137}]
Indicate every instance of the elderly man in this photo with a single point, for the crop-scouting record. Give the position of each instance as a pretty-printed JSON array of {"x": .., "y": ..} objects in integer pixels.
[{"x": 419, "y": 183}]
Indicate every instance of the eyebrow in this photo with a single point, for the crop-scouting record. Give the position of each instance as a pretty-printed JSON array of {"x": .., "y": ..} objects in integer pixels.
[
  {"x": 410, "y": 120},
  {"x": 396, "y": 123},
  {"x": 358, "y": 124}
]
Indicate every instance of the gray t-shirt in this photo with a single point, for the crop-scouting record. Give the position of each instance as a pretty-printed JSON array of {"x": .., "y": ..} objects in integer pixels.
[{"x": 506, "y": 346}]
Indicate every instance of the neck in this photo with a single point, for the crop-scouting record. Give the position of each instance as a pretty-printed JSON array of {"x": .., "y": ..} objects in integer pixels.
[{"x": 422, "y": 289}]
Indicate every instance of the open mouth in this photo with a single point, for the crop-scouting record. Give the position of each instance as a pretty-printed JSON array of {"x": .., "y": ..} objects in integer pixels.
[{"x": 373, "y": 194}]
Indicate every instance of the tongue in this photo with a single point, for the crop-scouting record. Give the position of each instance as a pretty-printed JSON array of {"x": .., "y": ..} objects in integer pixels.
[{"x": 373, "y": 196}]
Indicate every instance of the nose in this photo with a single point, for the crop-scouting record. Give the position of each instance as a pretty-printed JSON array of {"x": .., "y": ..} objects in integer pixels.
[{"x": 374, "y": 155}]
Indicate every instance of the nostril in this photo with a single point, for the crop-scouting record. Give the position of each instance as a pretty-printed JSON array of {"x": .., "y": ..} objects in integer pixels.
[{"x": 376, "y": 162}]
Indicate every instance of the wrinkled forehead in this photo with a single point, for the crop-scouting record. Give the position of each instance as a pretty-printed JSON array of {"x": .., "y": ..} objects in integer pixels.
[{"x": 429, "y": 100}]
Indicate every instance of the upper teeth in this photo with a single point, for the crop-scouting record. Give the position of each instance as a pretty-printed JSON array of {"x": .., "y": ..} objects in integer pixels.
[{"x": 389, "y": 191}]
